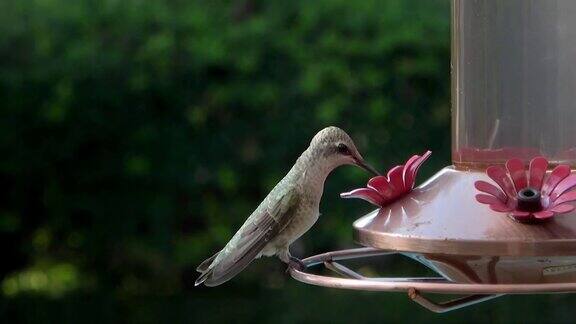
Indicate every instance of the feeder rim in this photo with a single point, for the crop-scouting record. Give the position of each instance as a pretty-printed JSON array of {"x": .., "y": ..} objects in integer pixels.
[
  {"x": 465, "y": 247},
  {"x": 511, "y": 239}
]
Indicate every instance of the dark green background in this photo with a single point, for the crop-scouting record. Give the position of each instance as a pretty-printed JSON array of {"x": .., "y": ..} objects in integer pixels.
[{"x": 136, "y": 136}]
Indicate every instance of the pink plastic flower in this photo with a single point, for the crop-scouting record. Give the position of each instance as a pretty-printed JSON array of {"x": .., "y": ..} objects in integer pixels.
[
  {"x": 383, "y": 190},
  {"x": 528, "y": 196}
]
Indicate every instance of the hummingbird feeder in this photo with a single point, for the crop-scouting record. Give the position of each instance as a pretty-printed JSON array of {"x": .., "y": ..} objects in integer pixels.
[{"x": 501, "y": 219}]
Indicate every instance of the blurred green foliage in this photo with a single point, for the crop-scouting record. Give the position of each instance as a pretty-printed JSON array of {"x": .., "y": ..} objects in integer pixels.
[{"x": 136, "y": 136}]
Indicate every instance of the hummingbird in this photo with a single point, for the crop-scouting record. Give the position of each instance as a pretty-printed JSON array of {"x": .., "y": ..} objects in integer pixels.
[{"x": 287, "y": 212}]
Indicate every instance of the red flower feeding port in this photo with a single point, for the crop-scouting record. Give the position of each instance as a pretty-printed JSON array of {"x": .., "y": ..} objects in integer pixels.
[
  {"x": 382, "y": 191},
  {"x": 513, "y": 144},
  {"x": 528, "y": 197}
]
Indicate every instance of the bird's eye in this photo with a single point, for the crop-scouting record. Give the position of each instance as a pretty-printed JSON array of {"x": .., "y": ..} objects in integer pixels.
[{"x": 343, "y": 149}]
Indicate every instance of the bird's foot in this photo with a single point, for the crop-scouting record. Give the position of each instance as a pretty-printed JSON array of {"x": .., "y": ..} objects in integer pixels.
[{"x": 297, "y": 264}]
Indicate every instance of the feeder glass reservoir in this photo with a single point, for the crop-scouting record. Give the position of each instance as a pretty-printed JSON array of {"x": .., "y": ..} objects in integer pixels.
[{"x": 514, "y": 81}]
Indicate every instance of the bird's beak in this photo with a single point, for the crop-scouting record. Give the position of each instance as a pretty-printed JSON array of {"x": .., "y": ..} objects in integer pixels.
[{"x": 361, "y": 163}]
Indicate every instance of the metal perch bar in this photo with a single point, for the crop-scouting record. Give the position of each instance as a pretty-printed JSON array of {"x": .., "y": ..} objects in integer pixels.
[
  {"x": 349, "y": 273},
  {"x": 344, "y": 255},
  {"x": 450, "y": 305},
  {"x": 342, "y": 270}
]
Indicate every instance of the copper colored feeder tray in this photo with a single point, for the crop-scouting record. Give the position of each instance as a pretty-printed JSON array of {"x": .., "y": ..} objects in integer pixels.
[{"x": 477, "y": 252}]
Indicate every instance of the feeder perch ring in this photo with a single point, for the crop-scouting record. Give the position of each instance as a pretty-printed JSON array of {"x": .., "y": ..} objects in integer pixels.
[{"x": 415, "y": 287}]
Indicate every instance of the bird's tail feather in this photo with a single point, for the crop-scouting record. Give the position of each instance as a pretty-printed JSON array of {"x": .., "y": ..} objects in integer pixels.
[
  {"x": 227, "y": 268},
  {"x": 202, "y": 278},
  {"x": 205, "y": 265},
  {"x": 205, "y": 269},
  {"x": 211, "y": 279}
]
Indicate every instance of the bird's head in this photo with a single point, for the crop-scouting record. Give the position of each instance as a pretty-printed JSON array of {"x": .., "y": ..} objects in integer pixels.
[{"x": 333, "y": 147}]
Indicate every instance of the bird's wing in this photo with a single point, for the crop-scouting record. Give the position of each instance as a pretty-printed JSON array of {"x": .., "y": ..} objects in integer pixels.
[{"x": 253, "y": 237}]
